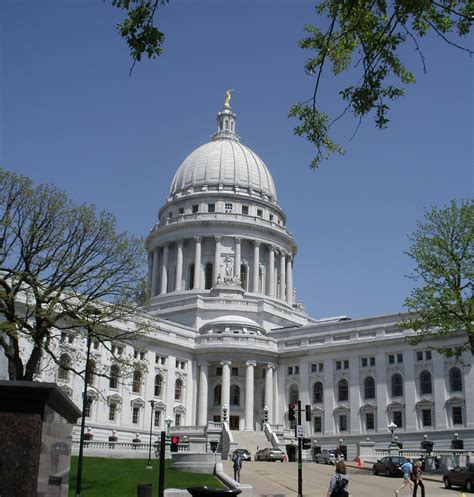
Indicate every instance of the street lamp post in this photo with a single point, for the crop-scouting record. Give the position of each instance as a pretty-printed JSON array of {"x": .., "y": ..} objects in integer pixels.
[
  {"x": 265, "y": 414},
  {"x": 392, "y": 427},
  {"x": 225, "y": 411},
  {"x": 152, "y": 404},
  {"x": 168, "y": 422}
]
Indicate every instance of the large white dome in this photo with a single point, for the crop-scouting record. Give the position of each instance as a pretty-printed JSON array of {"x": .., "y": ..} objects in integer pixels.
[{"x": 224, "y": 161}]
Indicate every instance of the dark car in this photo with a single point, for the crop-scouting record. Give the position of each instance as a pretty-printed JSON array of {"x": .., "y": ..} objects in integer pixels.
[
  {"x": 389, "y": 466},
  {"x": 460, "y": 477},
  {"x": 244, "y": 454}
]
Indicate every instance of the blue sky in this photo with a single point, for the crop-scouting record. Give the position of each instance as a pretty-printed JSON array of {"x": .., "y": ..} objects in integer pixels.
[{"x": 71, "y": 115}]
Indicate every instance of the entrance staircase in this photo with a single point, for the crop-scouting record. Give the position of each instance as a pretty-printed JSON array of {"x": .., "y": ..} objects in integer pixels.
[{"x": 250, "y": 440}]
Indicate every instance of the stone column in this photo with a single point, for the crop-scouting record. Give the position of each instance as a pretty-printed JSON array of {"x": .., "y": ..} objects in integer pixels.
[
  {"x": 154, "y": 272},
  {"x": 217, "y": 258},
  {"x": 225, "y": 391},
  {"x": 271, "y": 271},
  {"x": 383, "y": 419},
  {"x": 179, "y": 265},
  {"x": 440, "y": 421},
  {"x": 329, "y": 400},
  {"x": 238, "y": 256},
  {"x": 197, "y": 264},
  {"x": 164, "y": 273},
  {"x": 256, "y": 265},
  {"x": 409, "y": 390},
  {"x": 249, "y": 394},
  {"x": 203, "y": 393},
  {"x": 269, "y": 391},
  {"x": 282, "y": 275},
  {"x": 289, "y": 280},
  {"x": 354, "y": 395}
]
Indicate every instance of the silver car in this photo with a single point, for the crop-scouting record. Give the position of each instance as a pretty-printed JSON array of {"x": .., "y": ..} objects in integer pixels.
[{"x": 326, "y": 456}]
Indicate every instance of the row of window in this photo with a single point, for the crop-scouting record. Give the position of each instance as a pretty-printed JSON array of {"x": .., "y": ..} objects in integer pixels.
[{"x": 234, "y": 395}]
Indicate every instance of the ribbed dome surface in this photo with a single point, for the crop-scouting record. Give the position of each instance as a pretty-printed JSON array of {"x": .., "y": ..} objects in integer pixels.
[{"x": 224, "y": 162}]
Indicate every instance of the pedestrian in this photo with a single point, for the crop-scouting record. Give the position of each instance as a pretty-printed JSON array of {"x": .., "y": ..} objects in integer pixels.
[
  {"x": 406, "y": 467},
  {"x": 339, "y": 482},
  {"x": 337, "y": 454},
  {"x": 237, "y": 460},
  {"x": 418, "y": 478}
]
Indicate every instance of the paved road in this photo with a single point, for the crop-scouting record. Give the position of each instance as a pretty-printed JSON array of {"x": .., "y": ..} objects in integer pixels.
[{"x": 274, "y": 479}]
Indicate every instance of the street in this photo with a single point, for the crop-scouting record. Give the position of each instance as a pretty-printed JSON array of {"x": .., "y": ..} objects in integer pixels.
[{"x": 274, "y": 479}]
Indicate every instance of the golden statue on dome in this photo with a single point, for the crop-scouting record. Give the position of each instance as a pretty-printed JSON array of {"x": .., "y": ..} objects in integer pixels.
[{"x": 227, "y": 97}]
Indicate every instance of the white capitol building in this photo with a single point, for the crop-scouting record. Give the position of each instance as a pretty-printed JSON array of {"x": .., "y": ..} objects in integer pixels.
[{"x": 232, "y": 345}]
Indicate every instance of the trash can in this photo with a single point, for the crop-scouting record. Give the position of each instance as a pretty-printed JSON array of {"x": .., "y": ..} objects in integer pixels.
[
  {"x": 212, "y": 492},
  {"x": 144, "y": 490}
]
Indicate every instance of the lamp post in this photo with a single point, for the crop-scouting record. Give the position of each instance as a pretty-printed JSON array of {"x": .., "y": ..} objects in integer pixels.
[
  {"x": 225, "y": 410},
  {"x": 265, "y": 414},
  {"x": 168, "y": 422},
  {"x": 152, "y": 404},
  {"x": 392, "y": 427}
]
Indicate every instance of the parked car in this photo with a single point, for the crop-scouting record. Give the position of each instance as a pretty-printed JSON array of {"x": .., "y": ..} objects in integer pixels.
[
  {"x": 460, "y": 477},
  {"x": 270, "y": 454},
  {"x": 245, "y": 454},
  {"x": 326, "y": 456},
  {"x": 389, "y": 466}
]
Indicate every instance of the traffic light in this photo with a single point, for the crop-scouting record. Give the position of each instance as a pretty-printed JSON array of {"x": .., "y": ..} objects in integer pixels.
[
  {"x": 307, "y": 409},
  {"x": 174, "y": 444},
  {"x": 306, "y": 443},
  {"x": 292, "y": 412}
]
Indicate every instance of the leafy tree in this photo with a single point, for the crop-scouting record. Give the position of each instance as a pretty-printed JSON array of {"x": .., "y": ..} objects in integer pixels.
[
  {"x": 443, "y": 252},
  {"x": 363, "y": 35},
  {"x": 63, "y": 268}
]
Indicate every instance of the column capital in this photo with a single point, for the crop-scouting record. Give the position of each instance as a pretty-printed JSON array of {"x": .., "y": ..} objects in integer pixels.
[
  {"x": 270, "y": 366},
  {"x": 257, "y": 243},
  {"x": 251, "y": 363},
  {"x": 180, "y": 242},
  {"x": 202, "y": 364},
  {"x": 271, "y": 247},
  {"x": 198, "y": 239},
  {"x": 225, "y": 363},
  {"x": 238, "y": 239},
  {"x": 218, "y": 238}
]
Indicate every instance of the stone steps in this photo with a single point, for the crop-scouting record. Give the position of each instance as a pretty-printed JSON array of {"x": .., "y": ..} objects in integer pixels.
[{"x": 250, "y": 440}]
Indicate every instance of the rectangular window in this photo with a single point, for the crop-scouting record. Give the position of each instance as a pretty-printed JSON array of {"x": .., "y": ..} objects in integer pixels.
[
  {"x": 135, "y": 415},
  {"x": 170, "y": 215},
  {"x": 142, "y": 356},
  {"x": 96, "y": 344},
  {"x": 338, "y": 364},
  {"x": 217, "y": 418},
  {"x": 259, "y": 213},
  {"x": 112, "y": 412},
  {"x": 177, "y": 420},
  {"x": 364, "y": 362},
  {"x": 321, "y": 367},
  {"x": 318, "y": 424},
  {"x": 346, "y": 364},
  {"x": 428, "y": 355},
  {"x": 235, "y": 372},
  {"x": 163, "y": 361},
  {"x": 419, "y": 355},
  {"x": 245, "y": 210},
  {"x": 87, "y": 412},
  {"x": 399, "y": 358},
  {"x": 426, "y": 417},
  {"x": 181, "y": 211},
  {"x": 157, "y": 419},
  {"x": 398, "y": 419},
  {"x": 290, "y": 370},
  {"x": 271, "y": 217},
  {"x": 314, "y": 368},
  {"x": 457, "y": 415},
  {"x": 369, "y": 421},
  {"x": 228, "y": 207},
  {"x": 63, "y": 337},
  {"x": 195, "y": 209},
  {"x": 211, "y": 207},
  {"x": 372, "y": 361},
  {"x": 297, "y": 370},
  {"x": 343, "y": 422},
  {"x": 391, "y": 359},
  {"x": 157, "y": 359},
  {"x": 219, "y": 371}
]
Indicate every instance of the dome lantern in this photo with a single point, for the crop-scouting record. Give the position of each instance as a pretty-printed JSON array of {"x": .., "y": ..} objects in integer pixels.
[{"x": 226, "y": 120}]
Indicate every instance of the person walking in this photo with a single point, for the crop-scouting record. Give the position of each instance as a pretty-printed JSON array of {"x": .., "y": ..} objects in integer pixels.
[
  {"x": 339, "y": 482},
  {"x": 417, "y": 475},
  {"x": 237, "y": 460},
  {"x": 406, "y": 467}
]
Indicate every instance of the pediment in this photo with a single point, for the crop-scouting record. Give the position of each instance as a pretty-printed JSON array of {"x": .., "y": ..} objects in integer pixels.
[
  {"x": 179, "y": 409},
  {"x": 342, "y": 407},
  {"x": 368, "y": 406},
  {"x": 137, "y": 402},
  {"x": 114, "y": 399}
]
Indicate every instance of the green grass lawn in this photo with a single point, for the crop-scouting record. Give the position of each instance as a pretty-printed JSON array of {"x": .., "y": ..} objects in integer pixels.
[{"x": 119, "y": 477}]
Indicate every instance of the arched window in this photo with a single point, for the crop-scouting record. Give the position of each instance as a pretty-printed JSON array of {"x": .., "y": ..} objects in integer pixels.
[
  {"x": 455, "y": 380},
  {"x": 369, "y": 388},
  {"x": 294, "y": 394},
  {"x": 397, "y": 385},
  {"x": 64, "y": 365},
  {"x": 425, "y": 382},
  {"x": 158, "y": 385},
  {"x": 114, "y": 375},
  {"x": 244, "y": 276},
  {"x": 343, "y": 391},
  {"x": 234, "y": 395},
  {"x": 208, "y": 276},
  {"x": 217, "y": 395},
  {"x": 90, "y": 372},
  {"x": 318, "y": 392},
  {"x": 178, "y": 389},
  {"x": 137, "y": 381},
  {"x": 191, "y": 277}
]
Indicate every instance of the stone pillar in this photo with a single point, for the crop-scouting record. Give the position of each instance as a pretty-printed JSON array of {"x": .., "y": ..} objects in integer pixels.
[
  {"x": 179, "y": 266},
  {"x": 249, "y": 394},
  {"x": 164, "y": 273},
  {"x": 354, "y": 395},
  {"x": 170, "y": 384},
  {"x": 271, "y": 271},
  {"x": 154, "y": 272},
  {"x": 383, "y": 418},
  {"x": 225, "y": 391},
  {"x": 282, "y": 275},
  {"x": 197, "y": 264},
  {"x": 217, "y": 258},
  {"x": 238, "y": 256},
  {"x": 289, "y": 280},
  {"x": 269, "y": 391},
  {"x": 409, "y": 390},
  {"x": 329, "y": 400},
  {"x": 256, "y": 265},
  {"x": 468, "y": 374},
  {"x": 203, "y": 394},
  {"x": 440, "y": 421}
]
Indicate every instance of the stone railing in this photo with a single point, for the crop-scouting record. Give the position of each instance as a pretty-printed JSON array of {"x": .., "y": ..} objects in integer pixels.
[
  {"x": 271, "y": 435},
  {"x": 124, "y": 446}
]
